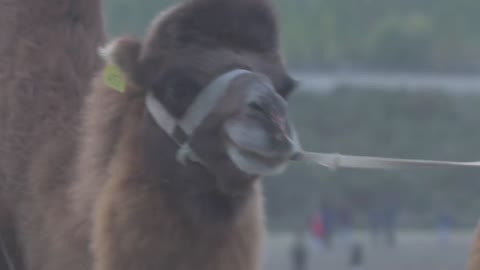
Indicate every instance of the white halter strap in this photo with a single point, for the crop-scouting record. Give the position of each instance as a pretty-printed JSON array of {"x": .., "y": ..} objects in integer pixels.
[
  {"x": 207, "y": 99},
  {"x": 201, "y": 107},
  {"x": 160, "y": 115}
]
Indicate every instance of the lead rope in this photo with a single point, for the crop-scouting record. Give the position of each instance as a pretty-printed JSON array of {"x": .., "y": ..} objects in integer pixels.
[
  {"x": 336, "y": 161},
  {"x": 5, "y": 254}
]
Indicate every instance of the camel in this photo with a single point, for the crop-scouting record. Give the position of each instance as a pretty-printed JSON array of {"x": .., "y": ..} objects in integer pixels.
[
  {"x": 160, "y": 171},
  {"x": 47, "y": 59},
  {"x": 474, "y": 258}
]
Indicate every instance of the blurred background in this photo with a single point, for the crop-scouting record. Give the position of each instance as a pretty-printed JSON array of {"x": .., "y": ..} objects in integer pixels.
[{"x": 378, "y": 77}]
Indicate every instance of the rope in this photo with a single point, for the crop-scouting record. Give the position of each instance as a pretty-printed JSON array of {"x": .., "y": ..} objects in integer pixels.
[{"x": 336, "y": 161}]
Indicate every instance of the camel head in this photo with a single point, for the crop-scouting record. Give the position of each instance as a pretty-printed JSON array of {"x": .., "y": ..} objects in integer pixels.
[{"x": 216, "y": 82}]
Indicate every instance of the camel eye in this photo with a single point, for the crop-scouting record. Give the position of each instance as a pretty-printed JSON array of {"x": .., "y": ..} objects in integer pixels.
[{"x": 177, "y": 88}]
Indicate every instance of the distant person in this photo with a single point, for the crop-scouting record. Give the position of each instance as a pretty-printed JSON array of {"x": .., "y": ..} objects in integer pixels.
[
  {"x": 345, "y": 224},
  {"x": 327, "y": 212},
  {"x": 318, "y": 229},
  {"x": 382, "y": 225},
  {"x": 374, "y": 225},
  {"x": 389, "y": 224},
  {"x": 299, "y": 253},
  {"x": 357, "y": 256},
  {"x": 444, "y": 227}
]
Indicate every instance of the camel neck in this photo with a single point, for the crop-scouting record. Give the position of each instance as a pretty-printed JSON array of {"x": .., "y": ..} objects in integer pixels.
[
  {"x": 189, "y": 186},
  {"x": 160, "y": 156}
]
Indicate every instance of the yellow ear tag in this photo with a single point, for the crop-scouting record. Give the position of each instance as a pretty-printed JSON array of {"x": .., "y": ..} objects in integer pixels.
[{"x": 113, "y": 77}]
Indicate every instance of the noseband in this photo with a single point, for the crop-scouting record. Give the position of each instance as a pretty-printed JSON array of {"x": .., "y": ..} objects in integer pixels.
[{"x": 180, "y": 130}]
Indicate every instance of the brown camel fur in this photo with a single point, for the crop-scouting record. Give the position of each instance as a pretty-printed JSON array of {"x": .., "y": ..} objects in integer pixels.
[
  {"x": 474, "y": 259},
  {"x": 47, "y": 58},
  {"x": 102, "y": 189}
]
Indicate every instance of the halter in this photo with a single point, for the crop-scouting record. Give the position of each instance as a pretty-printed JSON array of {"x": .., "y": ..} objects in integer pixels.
[{"x": 180, "y": 130}]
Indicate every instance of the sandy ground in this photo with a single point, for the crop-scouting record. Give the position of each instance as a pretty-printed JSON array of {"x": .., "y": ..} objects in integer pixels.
[{"x": 414, "y": 251}]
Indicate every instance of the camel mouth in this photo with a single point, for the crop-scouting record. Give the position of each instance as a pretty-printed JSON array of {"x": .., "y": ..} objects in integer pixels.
[
  {"x": 256, "y": 162},
  {"x": 260, "y": 138},
  {"x": 256, "y": 146}
]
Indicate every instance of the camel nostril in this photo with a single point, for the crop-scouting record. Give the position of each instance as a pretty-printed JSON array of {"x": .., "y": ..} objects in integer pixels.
[{"x": 258, "y": 108}]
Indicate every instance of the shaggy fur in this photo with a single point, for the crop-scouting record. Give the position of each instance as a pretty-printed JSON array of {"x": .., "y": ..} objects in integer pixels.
[
  {"x": 47, "y": 58},
  {"x": 474, "y": 259},
  {"x": 101, "y": 189}
]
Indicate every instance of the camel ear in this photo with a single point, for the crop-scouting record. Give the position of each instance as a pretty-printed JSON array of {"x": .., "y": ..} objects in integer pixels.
[{"x": 123, "y": 52}]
